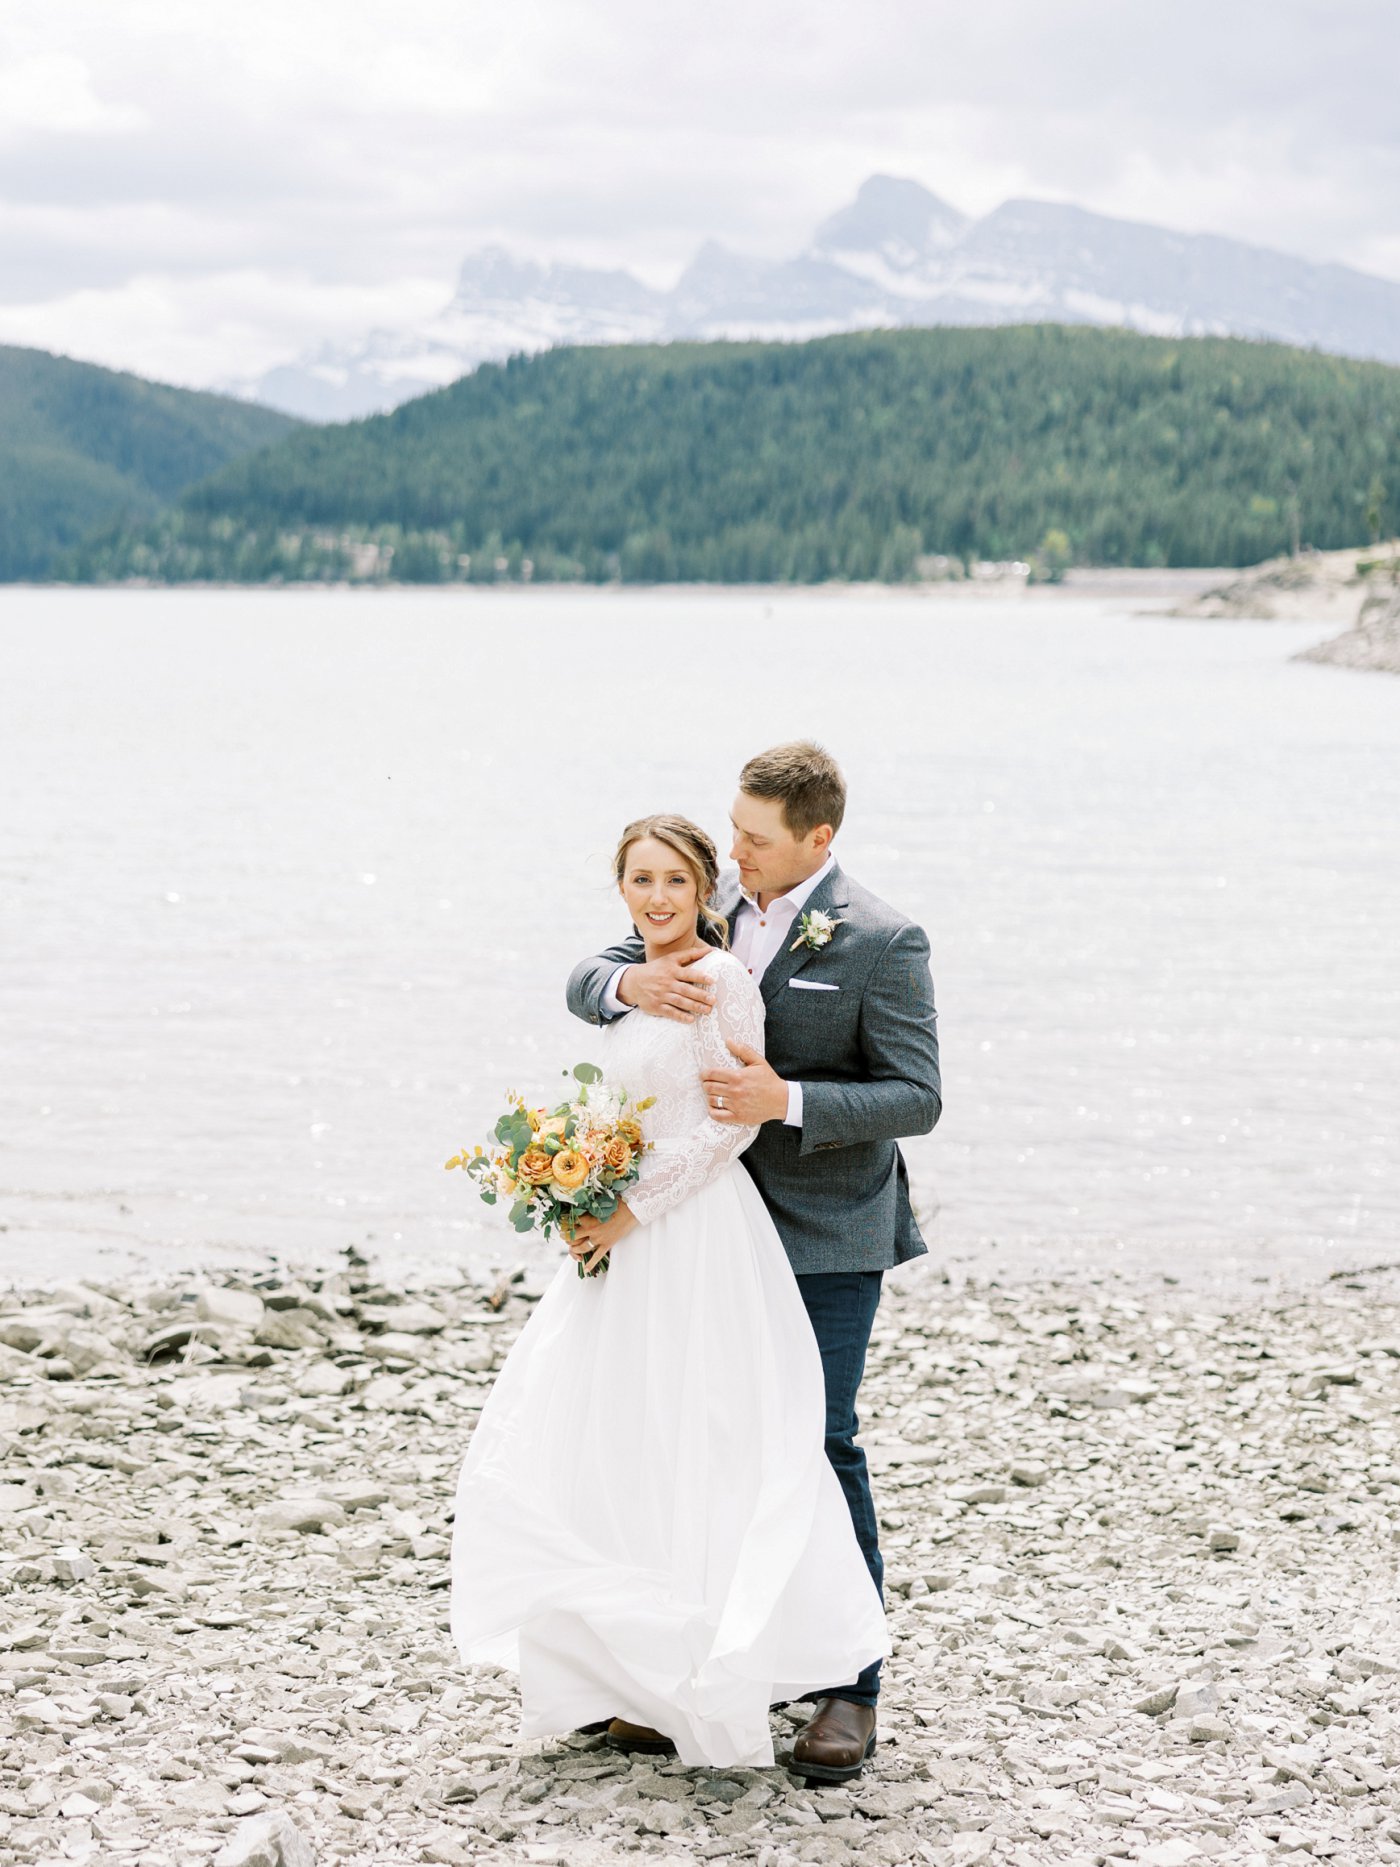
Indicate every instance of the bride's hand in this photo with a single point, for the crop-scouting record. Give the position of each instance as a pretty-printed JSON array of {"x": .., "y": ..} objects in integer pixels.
[{"x": 593, "y": 1239}]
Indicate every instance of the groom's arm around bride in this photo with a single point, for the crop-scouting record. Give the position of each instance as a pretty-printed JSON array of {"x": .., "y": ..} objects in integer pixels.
[{"x": 851, "y": 1029}]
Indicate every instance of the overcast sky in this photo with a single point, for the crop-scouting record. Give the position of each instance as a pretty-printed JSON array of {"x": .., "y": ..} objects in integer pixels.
[{"x": 199, "y": 190}]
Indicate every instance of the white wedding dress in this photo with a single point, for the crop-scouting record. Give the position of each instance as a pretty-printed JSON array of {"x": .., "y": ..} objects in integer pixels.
[{"x": 646, "y": 1524}]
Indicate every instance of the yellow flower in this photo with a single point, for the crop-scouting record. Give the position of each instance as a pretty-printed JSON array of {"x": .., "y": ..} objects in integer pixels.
[
  {"x": 617, "y": 1157},
  {"x": 570, "y": 1169},
  {"x": 534, "y": 1167},
  {"x": 629, "y": 1132}
]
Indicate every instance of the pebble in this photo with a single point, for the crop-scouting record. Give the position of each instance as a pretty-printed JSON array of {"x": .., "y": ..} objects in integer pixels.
[
  {"x": 242, "y": 1308},
  {"x": 267, "y": 1841},
  {"x": 304, "y": 1514},
  {"x": 1030, "y": 1472},
  {"x": 1140, "y": 1548},
  {"x": 1194, "y": 1698}
]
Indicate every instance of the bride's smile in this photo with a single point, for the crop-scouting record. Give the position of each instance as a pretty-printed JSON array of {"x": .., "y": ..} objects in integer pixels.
[{"x": 661, "y": 896}]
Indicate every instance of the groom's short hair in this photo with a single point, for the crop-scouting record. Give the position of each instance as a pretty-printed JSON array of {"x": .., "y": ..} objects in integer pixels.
[{"x": 804, "y": 778}]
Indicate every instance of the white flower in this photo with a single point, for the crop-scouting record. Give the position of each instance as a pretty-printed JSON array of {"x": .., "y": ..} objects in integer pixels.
[{"x": 818, "y": 930}]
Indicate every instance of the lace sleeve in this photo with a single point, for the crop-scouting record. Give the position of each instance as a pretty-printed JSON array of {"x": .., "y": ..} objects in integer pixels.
[{"x": 681, "y": 1167}]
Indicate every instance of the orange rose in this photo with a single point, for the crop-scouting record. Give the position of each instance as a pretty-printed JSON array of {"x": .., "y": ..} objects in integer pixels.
[
  {"x": 570, "y": 1169},
  {"x": 617, "y": 1157},
  {"x": 629, "y": 1132},
  {"x": 534, "y": 1167}
]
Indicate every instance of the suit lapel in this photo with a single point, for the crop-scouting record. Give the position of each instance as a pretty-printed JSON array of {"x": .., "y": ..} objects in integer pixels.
[{"x": 831, "y": 895}]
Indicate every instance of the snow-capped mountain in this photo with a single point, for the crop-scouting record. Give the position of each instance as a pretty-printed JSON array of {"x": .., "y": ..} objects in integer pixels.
[{"x": 897, "y": 255}]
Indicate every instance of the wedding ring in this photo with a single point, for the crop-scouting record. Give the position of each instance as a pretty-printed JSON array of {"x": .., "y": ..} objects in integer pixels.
[{"x": 719, "y": 1102}]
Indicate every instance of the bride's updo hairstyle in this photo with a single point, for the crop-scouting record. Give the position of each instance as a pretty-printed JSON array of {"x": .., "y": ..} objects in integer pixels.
[{"x": 698, "y": 854}]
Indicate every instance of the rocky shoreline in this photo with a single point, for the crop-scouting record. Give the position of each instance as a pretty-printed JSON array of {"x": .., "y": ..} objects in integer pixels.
[
  {"x": 1359, "y": 588},
  {"x": 1142, "y": 1559},
  {"x": 1373, "y": 642},
  {"x": 1315, "y": 586}
]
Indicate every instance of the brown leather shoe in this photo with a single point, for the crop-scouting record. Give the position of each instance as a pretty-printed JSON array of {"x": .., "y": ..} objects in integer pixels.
[
  {"x": 641, "y": 1737},
  {"x": 833, "y": 1745}
]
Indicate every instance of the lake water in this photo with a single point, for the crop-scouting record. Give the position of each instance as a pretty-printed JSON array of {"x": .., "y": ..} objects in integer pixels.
[{"x": 290, "y": 884}]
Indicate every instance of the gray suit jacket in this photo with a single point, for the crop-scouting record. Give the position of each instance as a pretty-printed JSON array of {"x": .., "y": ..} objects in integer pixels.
[{"x": 866, "y": 1055}]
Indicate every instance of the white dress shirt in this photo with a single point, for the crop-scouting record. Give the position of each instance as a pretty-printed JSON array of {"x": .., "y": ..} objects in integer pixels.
[{"x": 756, "y": 938}]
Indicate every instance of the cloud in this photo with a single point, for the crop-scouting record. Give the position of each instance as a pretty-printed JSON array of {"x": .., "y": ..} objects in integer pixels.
[
  {"x": 214, "y": 328},
  {"x": 156, "y": 155},
  {"x": 53, "y": 92}
]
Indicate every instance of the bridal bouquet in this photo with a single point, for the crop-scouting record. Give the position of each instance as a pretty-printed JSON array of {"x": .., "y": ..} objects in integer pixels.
[{"x": 556, "y": 1164}]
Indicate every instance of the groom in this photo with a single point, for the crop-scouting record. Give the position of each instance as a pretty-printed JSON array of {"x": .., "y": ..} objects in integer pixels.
[{"x": 852, "y": 1063}]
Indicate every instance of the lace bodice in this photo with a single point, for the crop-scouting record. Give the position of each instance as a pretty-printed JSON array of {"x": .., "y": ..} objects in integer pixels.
[{"x": 659, "y": 1057}]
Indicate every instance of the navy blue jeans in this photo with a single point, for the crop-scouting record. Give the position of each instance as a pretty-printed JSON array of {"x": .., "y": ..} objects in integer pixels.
[{"x": 842, "y": 1307}]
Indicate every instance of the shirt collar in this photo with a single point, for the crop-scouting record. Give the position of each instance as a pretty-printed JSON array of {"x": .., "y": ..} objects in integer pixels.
[{"x": 796, "y": 898}]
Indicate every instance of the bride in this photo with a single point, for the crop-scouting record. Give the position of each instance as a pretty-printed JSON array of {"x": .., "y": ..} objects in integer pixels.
[{"x": 647, "y": 1529}]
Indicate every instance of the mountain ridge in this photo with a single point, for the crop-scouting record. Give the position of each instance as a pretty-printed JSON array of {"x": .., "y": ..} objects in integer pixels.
[{"x": 897, "y": 256}]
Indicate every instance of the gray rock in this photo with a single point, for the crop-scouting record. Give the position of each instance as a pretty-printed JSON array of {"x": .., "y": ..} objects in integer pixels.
[
  {"x": 299, "y": 1514},
  {"x": 267, "y": 1841},
  {"x": 1195, "y": 1697},
  {"x": 241, "y": 1308},
  {"x": 324, "y": 1381},
  {"x": 69, "y": 1565},
  {"x": 22, "y": 1332},
  {"x": 1209, "y": 1730},
  {"x": 84, "y": 1349},
  {"x": 75, "y": 1806},
  {"x": 178, "y": 1335},
  {"x": 406, "y": 1319},
  {"x": 289, "y": 1329}
]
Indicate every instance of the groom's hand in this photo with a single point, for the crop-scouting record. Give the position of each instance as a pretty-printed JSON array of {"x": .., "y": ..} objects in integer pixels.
[
  {"x": 667, "y": 988},
  {"x": 752, "y": 1094}
]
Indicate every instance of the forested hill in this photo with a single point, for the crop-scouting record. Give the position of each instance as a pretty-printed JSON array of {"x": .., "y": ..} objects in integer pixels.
[
  {"x": 81, "y": 445},
  {"x": 845, "y": 457}
]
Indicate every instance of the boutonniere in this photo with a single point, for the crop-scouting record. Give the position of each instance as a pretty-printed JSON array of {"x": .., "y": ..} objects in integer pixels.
[{"x": 818, "y": 930}]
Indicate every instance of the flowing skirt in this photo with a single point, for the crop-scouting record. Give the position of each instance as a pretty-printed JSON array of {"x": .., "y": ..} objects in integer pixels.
[{"x": 646, "y": 1525}]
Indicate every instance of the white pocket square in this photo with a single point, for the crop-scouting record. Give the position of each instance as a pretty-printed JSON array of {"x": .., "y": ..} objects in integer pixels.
[{"x": 812, "y": 985}]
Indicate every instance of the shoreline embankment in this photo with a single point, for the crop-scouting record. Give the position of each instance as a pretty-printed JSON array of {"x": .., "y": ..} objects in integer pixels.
[{"x": 1141, "y": 1550}]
